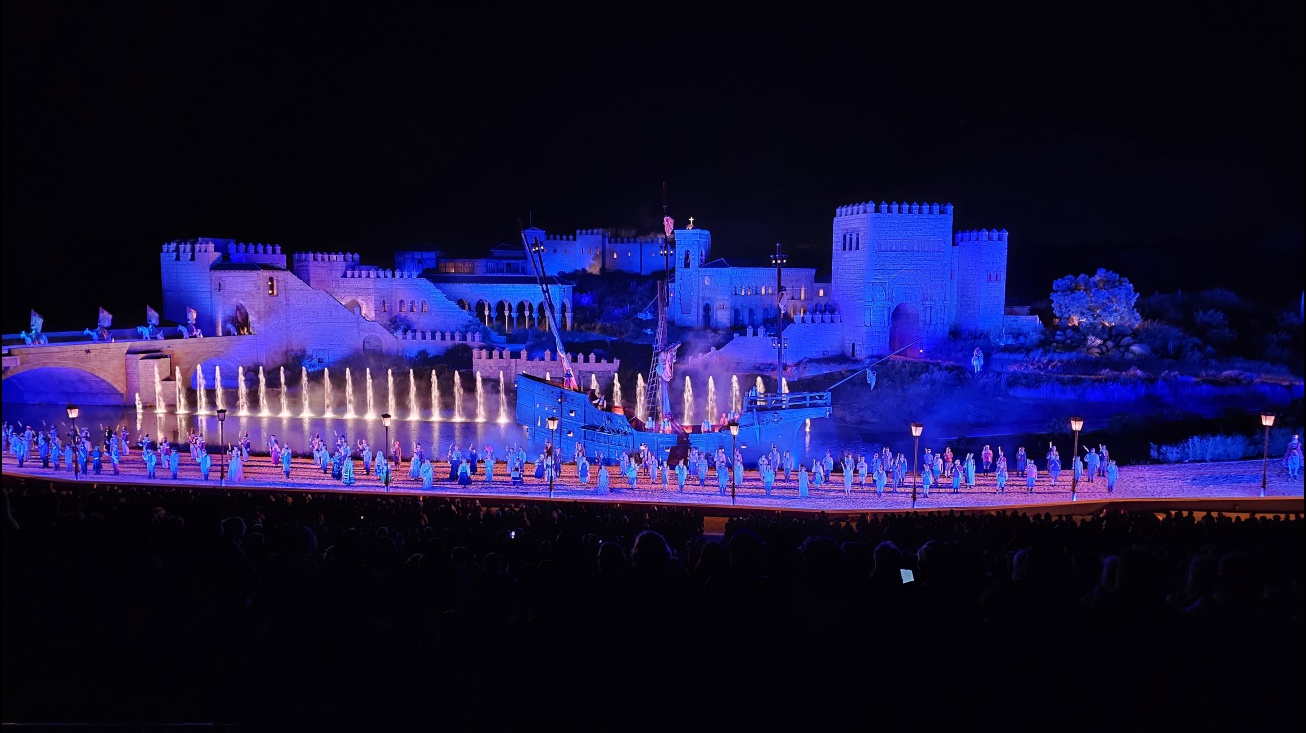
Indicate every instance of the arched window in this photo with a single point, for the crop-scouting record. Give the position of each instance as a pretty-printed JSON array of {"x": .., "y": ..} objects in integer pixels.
[
  {"x": 424, "y": 308},
  {"x": 686, "y": 258},
  {"x": 857, "y": 240},
  {"x": 272, "y": 286},
  {"x": 412, "y": 306},
  {"x": 401, "y": 306},
  {"x": 383, "y": 307}
]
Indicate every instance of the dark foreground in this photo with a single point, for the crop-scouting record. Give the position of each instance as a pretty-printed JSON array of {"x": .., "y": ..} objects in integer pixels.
[{"x": 325, "y": 610}]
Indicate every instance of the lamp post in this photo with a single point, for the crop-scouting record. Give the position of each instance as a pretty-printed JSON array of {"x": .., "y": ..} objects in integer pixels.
[
  {"x": 385, "y": 450},
  {"x": 1076, "y": 424},
  {"x": 916, "y": 430},
  {"x": 222, "y": 440},
  {"x": 553, "y": 450},
  {"x": 1267, "y": 419},
  {"x": 734, "y": 433},
  {"x": 72, "y": 416}
]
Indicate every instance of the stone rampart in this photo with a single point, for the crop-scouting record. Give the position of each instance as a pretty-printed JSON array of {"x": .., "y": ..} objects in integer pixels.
[{"x": 489, "y": 362}]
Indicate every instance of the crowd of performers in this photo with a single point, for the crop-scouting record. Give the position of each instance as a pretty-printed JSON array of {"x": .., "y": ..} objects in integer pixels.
[{"x": 939, "y": 471}]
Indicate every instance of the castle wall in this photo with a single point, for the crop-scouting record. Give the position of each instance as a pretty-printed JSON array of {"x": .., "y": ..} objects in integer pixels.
[
  {"x": 735, "y": 291},
  {"x": 489, "y": 362},
  {"x": 811, "y": 336},
  {"x": 297, "y": 316},
  {"x": 376, "y": 295}
]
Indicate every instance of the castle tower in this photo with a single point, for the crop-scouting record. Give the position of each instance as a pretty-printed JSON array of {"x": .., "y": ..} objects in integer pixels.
[
  {"x": 692, "y": 249},
  {"x": 893, "y": 275},
  {"x": 184, "y": 267},
  {"x": 981, "y": 279}
]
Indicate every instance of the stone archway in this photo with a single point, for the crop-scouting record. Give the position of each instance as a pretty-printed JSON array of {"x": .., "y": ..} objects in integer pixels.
[
  {"x": 904, "y": 326},
  {"x": 707, "y": 315}
]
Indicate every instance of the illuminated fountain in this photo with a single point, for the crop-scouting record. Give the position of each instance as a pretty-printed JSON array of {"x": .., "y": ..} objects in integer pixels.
[
  {"x": 140, "y": 410},
  {"x": 371, "y": 408},
  {"x": 735, "y": 402},
  {"x": 503, "y": 400},
  {"x": 457, "y": 397},
  {"x": 761, "y": 389},
  {"x": 480, "y": 399},
  {"x": 303, "y": 392},
  {"x": 326, "y": 392},
  {"x": 182, "y": 409},
  {"x": 594, "y": 383},
  {"x": 219, "y": 398},
  {"x": 242, "y": 396},
  {"x": 349, "y": 395},
  {"x": 689, "y": 403},
  {"x": 285, "y": 399},
  {"x": 263, "y": 408},
  {"x": 160, "y": 406},
  {"x": 201, "y": 393},
  {"x": 711, "y": 400},
  {"x": 390, "y": 394},
  {"x": 413, "y": 413},
  {"x": 616, "y": 394},
  {"x": 641, "y": 409}
]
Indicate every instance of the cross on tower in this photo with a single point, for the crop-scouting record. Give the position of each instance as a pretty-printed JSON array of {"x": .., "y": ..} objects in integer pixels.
[{"x": 691, "y": 223}]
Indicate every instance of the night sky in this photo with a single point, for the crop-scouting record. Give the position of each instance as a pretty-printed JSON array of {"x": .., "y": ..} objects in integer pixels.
[{"x": 1164, "y": 141}]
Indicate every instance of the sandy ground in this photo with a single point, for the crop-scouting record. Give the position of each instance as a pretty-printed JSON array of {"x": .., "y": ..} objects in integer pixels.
[{"x": 1234, "y": 479}]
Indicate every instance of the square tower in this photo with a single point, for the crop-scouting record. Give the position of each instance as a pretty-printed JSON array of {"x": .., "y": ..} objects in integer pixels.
[{"x": 893, "y": 275}]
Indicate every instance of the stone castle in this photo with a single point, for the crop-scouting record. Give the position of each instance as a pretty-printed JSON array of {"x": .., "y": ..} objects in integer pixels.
[{"x": 900, "y": 277}]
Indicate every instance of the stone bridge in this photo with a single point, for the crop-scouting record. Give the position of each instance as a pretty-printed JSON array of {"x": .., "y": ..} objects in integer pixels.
[{"x": 97, "y": 373}]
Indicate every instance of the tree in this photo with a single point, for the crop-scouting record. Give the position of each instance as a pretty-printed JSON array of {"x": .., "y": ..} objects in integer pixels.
[{"x": 1096, "y": 303}]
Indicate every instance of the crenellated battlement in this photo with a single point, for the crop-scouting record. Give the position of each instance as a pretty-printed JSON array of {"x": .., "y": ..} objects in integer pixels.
[
  {"x": 870, "y": 207},
  {"x": 326, "y": 257},
  {"x": 440, "y": 336},
  {"x": 981, "y": 235},
  {"x": 245, "y": 248},
  {"x": 376, "y": 273},
  {"x": 187, "y": 248},
  {"x": 559, "y": 238},
  {"x": 500, "y": 355}
]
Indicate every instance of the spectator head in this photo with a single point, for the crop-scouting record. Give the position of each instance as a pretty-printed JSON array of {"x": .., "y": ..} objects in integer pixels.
[
  {"x": 233, "y": 528},
  {"x": 611, "y": 559},
  {"x": 651, "y": 553},
  {"x": 888, "y": 560}
]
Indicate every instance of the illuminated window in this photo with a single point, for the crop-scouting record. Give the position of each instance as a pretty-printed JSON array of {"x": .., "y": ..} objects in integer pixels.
[
  {"x": 614, "y": 255},
  {"x": 412, "y": 306},
  {"x": 820, "y": 292},
  {"x": 424, "y": 309},
  {"x": 272, "y": 286},
  {"x": 401, "y": 306}
]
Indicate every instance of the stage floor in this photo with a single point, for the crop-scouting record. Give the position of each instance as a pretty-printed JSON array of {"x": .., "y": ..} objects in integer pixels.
[{"x": 1223, "y": 480}]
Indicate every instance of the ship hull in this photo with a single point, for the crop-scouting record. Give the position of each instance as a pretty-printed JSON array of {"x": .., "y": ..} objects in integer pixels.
[{"x": 605, "y": 435}]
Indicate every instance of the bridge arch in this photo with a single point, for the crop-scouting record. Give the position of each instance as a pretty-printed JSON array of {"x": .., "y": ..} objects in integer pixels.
[{"x": 62, "y": 385}]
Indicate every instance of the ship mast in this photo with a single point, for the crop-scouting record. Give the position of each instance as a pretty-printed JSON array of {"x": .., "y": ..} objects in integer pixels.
[
  {"x": 535, "y": 253},
  {"x": 781, "y": 301},
  {"x": 653, "y": 387}
]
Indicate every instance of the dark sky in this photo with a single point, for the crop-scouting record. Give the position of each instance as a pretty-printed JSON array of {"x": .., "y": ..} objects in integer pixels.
[{"x": 1162, "y": 140}]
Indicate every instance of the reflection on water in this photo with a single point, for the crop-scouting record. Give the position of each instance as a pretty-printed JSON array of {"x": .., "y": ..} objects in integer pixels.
[{"x": 293, "y": 429}]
